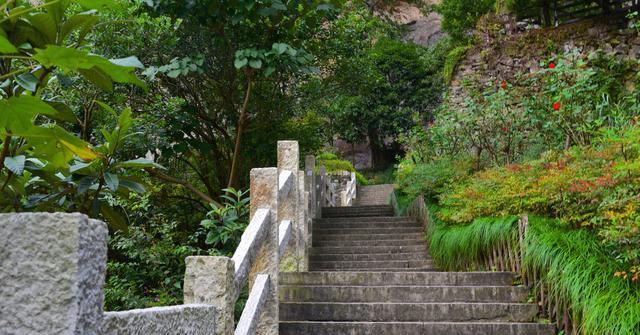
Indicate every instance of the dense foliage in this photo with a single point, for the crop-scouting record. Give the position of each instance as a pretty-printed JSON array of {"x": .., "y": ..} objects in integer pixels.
[{"x": 559, "y": 143}]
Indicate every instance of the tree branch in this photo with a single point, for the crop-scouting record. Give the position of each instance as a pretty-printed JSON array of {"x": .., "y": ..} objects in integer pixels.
[{"x": 160, "y": 175}]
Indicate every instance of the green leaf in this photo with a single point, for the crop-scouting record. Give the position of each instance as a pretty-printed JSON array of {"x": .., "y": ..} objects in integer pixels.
[
  {"x": 269, "y": 71},
  {"x": 239, "y": 63},
  {"x": 112, "y": 181},
  {"x": 5, "y": 46},
  {"x": 15, "y": 164},
  {"x": 99, "y": 4},
  {"x": 45, "y": 25},
  {"x": 131, "y": 61},
  {"x": 139, "y": 163},
  {"x": 280, "y": 48},
  {"x": 84, "y": 21},
  {"x": 73, "y": 60},
  {"x": 78, "y": 166},
  {"x": 56, "y": 145},
  {"x": 114, "y": 219},
  {"x": 63, "y": 112},
  {"x": 98, "y": 78},
  {"x": 17, "y": 113},
  {"x": 255, "y": 63},
  {"x": 133, "y": 186},
  {"x": 27, "y": 81}
]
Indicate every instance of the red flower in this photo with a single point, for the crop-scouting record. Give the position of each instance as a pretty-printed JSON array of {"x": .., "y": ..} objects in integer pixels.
[
  {"x": 505, "y": 129},
  {"x": 503, "y": 84},
  {"x": 556, "y": 106},
  {"x": 552, "y": 65}
]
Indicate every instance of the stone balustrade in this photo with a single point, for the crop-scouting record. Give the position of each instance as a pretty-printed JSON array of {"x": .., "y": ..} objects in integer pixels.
[{"x": 52, "y": 266}]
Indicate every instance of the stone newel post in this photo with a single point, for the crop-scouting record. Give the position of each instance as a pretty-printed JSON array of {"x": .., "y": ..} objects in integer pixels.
[{"x": 52, "y": 270}]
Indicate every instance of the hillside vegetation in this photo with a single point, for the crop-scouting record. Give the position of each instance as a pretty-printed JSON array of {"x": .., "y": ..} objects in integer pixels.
[{"x": 553, "y": 133}]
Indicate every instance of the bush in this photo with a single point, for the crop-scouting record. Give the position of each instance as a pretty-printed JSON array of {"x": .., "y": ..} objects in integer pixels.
[
  {"x": 334, "y": 164},
  {"x": 458, "y": 16}
]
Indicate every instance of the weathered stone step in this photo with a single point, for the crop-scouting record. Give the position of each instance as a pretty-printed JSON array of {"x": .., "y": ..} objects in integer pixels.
[
  {"x": 369, "y": 257},
  {"x": 366, "y": 219},
  {"x": 406, "y": 294},
  {"x": 369, "y": 231},
  {"x": 407, "y": 278},
  {"x": 399, "y": 264},
  {"x": 450, "y": 312},
  {"x": 356, "y": 208},
  {"x": 360, "y": 237},
  {"x": 414, "y": 328},
  {"x": 338, "y": 212},
  {"x": 368, "y": 242},
  {"x": 427, "y": 269},
  {"x": 357, "y": 214},
  {"x": 369, "y": 249},
  {"x": 365, "y": 224}
]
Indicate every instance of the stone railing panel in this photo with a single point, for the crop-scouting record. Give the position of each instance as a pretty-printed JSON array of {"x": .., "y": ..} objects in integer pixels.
[
  {"x": 252, "y": 310},
  {"x": 182, "y": 319}
]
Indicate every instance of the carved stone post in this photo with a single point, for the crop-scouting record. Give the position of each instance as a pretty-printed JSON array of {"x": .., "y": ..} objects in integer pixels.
[
  {"x": 321, "y": 186},
  {"x": 289, "y": 160},
  {"x": 264, "y": 194},
  {"x": 52, "y": 270},
  {"x": 303, "y": 226},
  {"x": 210, "y": 280},
  {"x": 310, "y": 183}
]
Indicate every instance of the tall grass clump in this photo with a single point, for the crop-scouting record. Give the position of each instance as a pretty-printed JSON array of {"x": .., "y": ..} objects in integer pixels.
[
  {"x": 457, "y": 247},
  {"x": 575, "y": 266}
]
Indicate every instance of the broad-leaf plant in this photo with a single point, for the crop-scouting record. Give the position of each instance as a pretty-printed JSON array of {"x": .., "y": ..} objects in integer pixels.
[{"x": 43, "y": 165}]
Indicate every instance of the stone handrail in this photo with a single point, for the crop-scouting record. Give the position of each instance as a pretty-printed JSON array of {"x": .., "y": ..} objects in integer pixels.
[{"x": 52, "y": 266}]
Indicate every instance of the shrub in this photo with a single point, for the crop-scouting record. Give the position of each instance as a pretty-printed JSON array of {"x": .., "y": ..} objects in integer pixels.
[{"x": 458, "y": 16}]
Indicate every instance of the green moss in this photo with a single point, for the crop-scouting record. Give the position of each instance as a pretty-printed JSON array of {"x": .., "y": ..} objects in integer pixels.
[{"x": 452, "y": 60}]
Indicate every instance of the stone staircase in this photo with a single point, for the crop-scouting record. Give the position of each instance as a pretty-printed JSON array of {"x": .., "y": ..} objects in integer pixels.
[{"x": 370, "y": 273}]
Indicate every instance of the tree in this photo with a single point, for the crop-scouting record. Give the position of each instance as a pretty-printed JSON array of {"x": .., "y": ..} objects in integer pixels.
[{"x": 252, "y": 52}]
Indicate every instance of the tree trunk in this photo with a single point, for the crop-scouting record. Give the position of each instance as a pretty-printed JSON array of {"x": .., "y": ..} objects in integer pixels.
[{"x": 233, "y": 173}]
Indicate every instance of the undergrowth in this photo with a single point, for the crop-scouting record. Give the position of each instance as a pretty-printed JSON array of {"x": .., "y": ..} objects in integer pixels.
[{"x": 573, "y": 264}]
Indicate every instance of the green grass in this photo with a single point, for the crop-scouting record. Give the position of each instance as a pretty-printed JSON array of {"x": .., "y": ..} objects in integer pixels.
[
  {"x": 574, "y": 263},
  {"x": 454, "y": 248},
  {"x": 579, "y": 268}
]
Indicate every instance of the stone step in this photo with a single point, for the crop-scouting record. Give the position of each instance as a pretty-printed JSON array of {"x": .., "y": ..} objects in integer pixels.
[
  {"x": 369, "y": 257},
  {"x": 426, "y": 269},
  {"x": 399, "y": 264},
  {"x": 361, "y": 237},
  {"x": 450, "y": 312},
  {"x": 369, "y": 249},
  {"x": 414, "y": 328},
  {"x": 365, "y": 224},
  {"x": 369, "y": 231},
  {"x": 366, "y": 219},
  {"x": 406, "y": 294},
  {"x": 356, "y": 208},
  {"x": 407, "y": 278},
  {"x": 343, "y": 215},
  {"x": 368, "y": 243}
]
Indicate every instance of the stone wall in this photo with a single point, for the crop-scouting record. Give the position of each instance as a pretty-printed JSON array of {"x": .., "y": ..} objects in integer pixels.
[
  {"x": 52, "y": 270},
  {"x": 506, "y": 48}
]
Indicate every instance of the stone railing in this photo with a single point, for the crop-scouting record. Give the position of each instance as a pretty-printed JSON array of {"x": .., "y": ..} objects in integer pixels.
[{"x": 52, "y": 266}]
